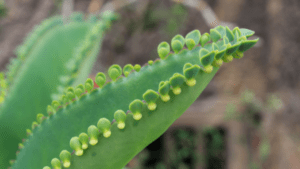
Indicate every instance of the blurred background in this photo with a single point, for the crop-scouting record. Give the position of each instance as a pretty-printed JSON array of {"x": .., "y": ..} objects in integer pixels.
[{"x": 247, "y": 117}]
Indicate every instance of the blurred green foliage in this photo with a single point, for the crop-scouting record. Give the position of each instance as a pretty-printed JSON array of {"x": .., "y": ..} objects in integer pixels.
[{"x": 3, "y": 9}]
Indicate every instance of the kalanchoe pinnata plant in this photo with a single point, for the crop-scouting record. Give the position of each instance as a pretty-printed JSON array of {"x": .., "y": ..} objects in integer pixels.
[{"x": 105, "y": 127}]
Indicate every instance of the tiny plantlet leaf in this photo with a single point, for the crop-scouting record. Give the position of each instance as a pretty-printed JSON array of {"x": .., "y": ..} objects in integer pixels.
[
  {"x": 39, "y": 118},
  {"x": 221, "y": 30},
  {"x": 231, "y": 49},
  {"x": 225, "y": 40},
  {"x": 190, "y": 43},
  {"x": 56, "y": 163},
  {"x": 100, "y": 79},
  {"x": 237, "y": 30},
  {"x": 229, "y": 34},
  {"x": 206, "y": 57},
  {"x": 190, "y": 71},
  {"x": 163, "y": 50},
  {"x": 176, "y": 81},
  {"x": 150, "y": 62},
  {"x": 76, "y": 145},
  {"x": 246, "y": 32},
  {"x": 104, "y": 125},
  {"x": 114, "y": 72},
  {"x": 93, "y": 133},
  {"x": 150, "y": 96},
  {"x": 79, "y": 90},
  {"x": 192, "y": 39},
  {"x": 84, "y": 140},
  {"x": 164, "y": 88},
  {"x": 177, "y": 43},
  {"x": 215, "y": 35},
  {"x": 65, "y": 157},
  {"x": 120, "y": 117},
  {"x": 127, "y": 69},
  {"x": 136, "y": 107},
  {"x": 89, "y": 85},
  {"x": 247, "y": 45},
  {"x": 204, "y": 39},
  {"x": 137, "y": 67},
  {"x": 70, "y": 93}
]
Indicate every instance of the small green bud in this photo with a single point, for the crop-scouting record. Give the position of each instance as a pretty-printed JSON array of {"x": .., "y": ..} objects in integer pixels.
[
  {"x": 84, "y": 139},
  {"x": 237, "y": 54},
  {"x": 28, "y": 132},
  {"x": 190, "y": 43},
  {"x": 215, "y": 35},
  {"x": 79, "y": 90},
  {"x": 192, "y": 39},
  {"x": 225, "y": 40},
  {"x": 50, "y": 110},
  {"x": 93, "y": 133},
  {"x": 217, "y": 63},
  {"x": 231, "y": 49},
  {"x": 20, "y": 145},
  {"x": 176, "y": 81},
  {"x": 163, "y": 89},
  {"x": 34, "y": 125},
  {"x": 127, "y": 69},
  {"x": 136, "y": 107},
  {"x": 247, "y": 45},
  {"x": 190, "y": 73},
  {"x": 104, "y": 125},
  {"x": 64, "y": 99},
  {"x": 114, "y": 72},
  {"x": 46, "y": 167},
  {"x": 215, "y": 47},
  {"x": 206, "y": 59},
  {"x": 150, "y": 62},
  {"x": 65, "y": 157},
  {"x": 39, "y": 118},
  {"x": 227, "y": 58},
  {"x": 137, "y": 67},
  {"x": 120, "y": 118},
  {"x": 100, "y": 79},
  {"x": 150, "y": 96},
  {"x": 11, "y": 162},
  {"x": 89, "y": 85},
  {"x": 177, "y": 43},
  {"x": 221, "y": 52},
  {"x": 221, "y": 30},
  {"x": 56, "y": 163},
  {"x": 204, "y": 39},
  {"x": 241, "y": 39},
  {"x": 237, "y": 30},
  {"x": 55, "y": 104},
  {"x": 70, "y": 93},
  {"x": 229, "y": 34},
  {"x": 163, "y": 50},
  {"x": 246, "y": 32},
  {"x": 76, "y": 145}
]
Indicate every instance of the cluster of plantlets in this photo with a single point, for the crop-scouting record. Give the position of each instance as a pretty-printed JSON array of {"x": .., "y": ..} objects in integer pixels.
[{"x": 106, "y": 127}]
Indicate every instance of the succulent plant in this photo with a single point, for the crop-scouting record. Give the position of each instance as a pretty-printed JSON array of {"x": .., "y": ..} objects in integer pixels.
[{"x": 72, "y": 124}]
